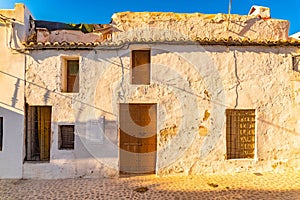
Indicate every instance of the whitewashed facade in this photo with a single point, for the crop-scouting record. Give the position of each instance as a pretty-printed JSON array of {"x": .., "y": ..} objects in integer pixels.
[
  {"x": 13, "y": 30},
  {"x": 196, "y": 77}
]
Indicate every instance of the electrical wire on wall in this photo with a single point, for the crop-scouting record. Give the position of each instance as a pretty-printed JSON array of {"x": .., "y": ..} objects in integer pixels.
[{"x": 9, "y": 32}]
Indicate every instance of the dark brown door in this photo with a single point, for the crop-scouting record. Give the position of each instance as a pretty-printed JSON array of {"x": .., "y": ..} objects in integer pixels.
[{"x": 138, "y": 138}]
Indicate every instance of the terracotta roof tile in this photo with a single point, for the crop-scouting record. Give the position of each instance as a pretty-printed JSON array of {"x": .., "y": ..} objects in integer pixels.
[{"x": 202, "y": 41}]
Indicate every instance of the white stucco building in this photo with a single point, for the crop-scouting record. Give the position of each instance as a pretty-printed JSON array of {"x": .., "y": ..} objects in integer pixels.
[
  {"x": 160, "y": 93},
  {"x": 13, "y": 30}
]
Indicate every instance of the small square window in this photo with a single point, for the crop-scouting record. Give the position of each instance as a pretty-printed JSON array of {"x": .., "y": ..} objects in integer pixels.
[
  {"x": 240, "y": 133},
  {"x": 1, "y": 133},
  {"x": 66, "y": 137},
  {"x": 70, "y": 75},
  {"x": 296, "y": 63},
  {"x": 140, "y": 70}
]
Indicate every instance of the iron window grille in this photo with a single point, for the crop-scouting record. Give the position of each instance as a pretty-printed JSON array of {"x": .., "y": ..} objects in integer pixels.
[
  {"x": 66, "y": 137},
  {"x": 240, "y": 133}
]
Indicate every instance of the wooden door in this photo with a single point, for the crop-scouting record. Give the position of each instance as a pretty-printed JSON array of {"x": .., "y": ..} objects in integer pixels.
[
  {"x": 138, "y": 139},
  {"x": 44, "y": 130},
  {"x": 38, "y": 133}
]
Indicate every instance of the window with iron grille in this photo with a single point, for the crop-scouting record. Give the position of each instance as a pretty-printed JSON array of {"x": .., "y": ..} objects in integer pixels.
[
  {"x": 66, "y": 137},
  {"x": 140, "y": 70},
  {"x": 1, "y": 133},
  {"x": 240, "y": 133},
  {"x": 70, "y": 75}
]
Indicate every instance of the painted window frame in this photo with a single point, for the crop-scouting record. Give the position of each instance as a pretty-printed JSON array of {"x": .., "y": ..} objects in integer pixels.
[{"x": 65, "y": 88}]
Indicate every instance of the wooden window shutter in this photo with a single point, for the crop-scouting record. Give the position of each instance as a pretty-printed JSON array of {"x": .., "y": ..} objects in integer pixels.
[
  {"x": 72, "y": 75},
  {"x": 141, "y": 67},
  {"x": 66, "y": 140}
]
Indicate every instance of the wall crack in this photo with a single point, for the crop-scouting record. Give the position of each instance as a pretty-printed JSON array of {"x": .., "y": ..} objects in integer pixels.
[{"x": 237, "y": 80}]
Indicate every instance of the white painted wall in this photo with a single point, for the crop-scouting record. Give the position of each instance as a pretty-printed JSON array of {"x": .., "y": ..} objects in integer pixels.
[
  {"x": 186, "y": 82},
  {"x": 12, "y": 68}
]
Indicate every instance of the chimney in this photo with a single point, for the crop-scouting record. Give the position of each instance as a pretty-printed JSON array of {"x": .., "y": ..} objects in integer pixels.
[{"x": 260, "y": 11}]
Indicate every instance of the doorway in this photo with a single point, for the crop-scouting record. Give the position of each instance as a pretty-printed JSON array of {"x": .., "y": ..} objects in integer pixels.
[
  {"x": 138, "y": 138},
  {"x": 38, "y": 133}
]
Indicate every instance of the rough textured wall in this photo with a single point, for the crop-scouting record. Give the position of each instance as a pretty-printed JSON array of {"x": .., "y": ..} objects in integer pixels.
[
  {"x": 159, "y": 26},
  {"x": 203, "y": 25},
  {"x": 192, "y": 86},
  {"x": 43, "y": 35}
]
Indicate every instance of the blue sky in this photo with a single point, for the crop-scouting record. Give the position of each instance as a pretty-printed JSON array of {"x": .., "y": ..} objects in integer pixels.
[{"x": 100, "y": 11}]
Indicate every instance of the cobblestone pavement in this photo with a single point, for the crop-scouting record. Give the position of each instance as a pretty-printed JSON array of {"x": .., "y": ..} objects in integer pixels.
[{"x": 234, "y": 186}]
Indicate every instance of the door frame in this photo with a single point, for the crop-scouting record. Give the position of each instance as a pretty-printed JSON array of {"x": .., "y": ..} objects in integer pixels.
[
  {"x": 119, "y": 138},
  {"x": 28, "y": 134}
]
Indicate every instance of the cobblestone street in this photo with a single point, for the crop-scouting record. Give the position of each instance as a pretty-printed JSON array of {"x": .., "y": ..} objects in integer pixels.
[{"x": 235, "y": 186}]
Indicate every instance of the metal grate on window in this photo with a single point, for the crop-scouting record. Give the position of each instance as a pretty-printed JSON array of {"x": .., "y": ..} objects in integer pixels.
[
  {"x": 240, "y": 133},
  {"x": 1, "y": 133},
  {"x": 66, "y": 140}
]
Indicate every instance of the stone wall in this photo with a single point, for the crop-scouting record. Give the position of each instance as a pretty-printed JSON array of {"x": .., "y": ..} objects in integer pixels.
[
  {"x": 192, "y": 86},
  {"x": 198, "y": 25},
  {"x": 174, "y": 26}
]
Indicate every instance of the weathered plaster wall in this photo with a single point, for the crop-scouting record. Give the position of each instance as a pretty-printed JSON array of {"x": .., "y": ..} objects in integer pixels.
[
  {"x": 43, "y": 35},
  {"x": 155, "y": 26},
  {"x": 12, "y": 68},
  {"x": 192, "y": 86},
  {"x": 191, "y": 25}
]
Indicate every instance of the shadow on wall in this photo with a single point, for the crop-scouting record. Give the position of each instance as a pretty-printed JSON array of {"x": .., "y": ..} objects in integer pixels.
[
  {"x": 249, "y": 23},
  {"x": 14, "y": 98},
  {"x": 47, "y": 93},
  {"x": 93, "y": 140},
  {"x": 11, "y": 155},
  {"x": 14, "y": 33}
]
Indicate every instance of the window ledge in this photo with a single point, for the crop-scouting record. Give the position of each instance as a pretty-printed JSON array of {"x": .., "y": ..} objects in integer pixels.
[
  {"x": 36, "y": 162},
  {"x": 65, "y": 149},
  {"x": 241, "y": 159}
]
